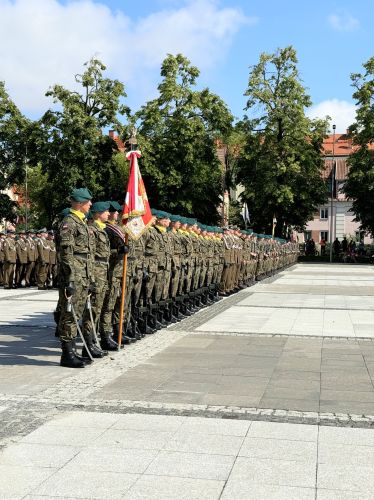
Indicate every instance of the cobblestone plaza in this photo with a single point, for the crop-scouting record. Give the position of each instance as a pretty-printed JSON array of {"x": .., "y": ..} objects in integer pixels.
[{"x": 268, "y": 394}]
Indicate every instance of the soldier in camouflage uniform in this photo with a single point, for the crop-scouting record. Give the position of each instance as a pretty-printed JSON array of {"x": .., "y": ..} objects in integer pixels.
[
  {"x": 110, "y": 314},
  {"x": 176, "y": 266},
  {"x": 187, "y": 257},
  {"x": 139, "y": 317},
  {"x": 163, "y": 276},
  {"x": 151, "y": 249},
  {"x": 100, "y": 212},
  {"x": 75, "y": 257},
  {"x": 21, "y": 245},
  {"x": 43, "y": 260},
  {"x": 31, "y": 258},
  {"x": 52, "y": 265},
  {"x": 2, "y": 240},
  {"x": 10, "y": 259}
]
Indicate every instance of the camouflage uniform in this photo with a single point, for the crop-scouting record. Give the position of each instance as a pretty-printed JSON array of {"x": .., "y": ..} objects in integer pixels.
[
  {"x": 43, "y": 263},
  {"x": 75, "y": 254},
  {"x": 2, "y": 239},
  {"x": 99, "y": 277},
  {"x": 110, "y": 314},
  {"x": 10, "y": 259},
  {"x": 21, "y": 246},
  {"x": 31, "y": 258}
]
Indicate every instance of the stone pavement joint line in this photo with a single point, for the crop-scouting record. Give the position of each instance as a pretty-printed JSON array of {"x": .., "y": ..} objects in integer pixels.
[{"x": 193, "y": 412}]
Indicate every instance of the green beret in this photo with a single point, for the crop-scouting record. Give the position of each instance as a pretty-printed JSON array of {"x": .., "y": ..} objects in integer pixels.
[
  {"x": 100, "y": 206},
  {"x": 80, "y": 195},
  {"x": 114, "y": 206},
  {"x": 154, "y": 212},
  {"x": 163, "y": 215}
]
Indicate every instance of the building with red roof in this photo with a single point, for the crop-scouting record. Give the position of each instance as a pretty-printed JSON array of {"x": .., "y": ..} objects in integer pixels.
[{"x": 336, "y": 216}]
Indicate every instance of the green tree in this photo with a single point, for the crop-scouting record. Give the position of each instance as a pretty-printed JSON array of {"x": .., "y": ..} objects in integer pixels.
[
  {"x": 14, "y": 130},
  {"x": 72, "y": 148},
  {"x": 280, "y": 164},
  {"x": 177, "y": 134},
  {"x": 360, "y": 183}
]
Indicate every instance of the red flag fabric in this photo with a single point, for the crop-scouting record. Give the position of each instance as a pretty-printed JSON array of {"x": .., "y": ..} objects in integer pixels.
[{"x": 136, "y": 214}]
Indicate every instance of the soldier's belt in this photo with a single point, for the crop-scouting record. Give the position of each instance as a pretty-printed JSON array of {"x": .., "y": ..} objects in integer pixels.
[{"x": 81, "y": 255}]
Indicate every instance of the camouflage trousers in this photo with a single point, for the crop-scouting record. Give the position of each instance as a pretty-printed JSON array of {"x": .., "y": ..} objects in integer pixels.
[
  {"x": 96, "y": 299},
  {"x": 67, "y": 326},
  {"x": 174, "y": 281},
  {"x": 111, "y": 305}
]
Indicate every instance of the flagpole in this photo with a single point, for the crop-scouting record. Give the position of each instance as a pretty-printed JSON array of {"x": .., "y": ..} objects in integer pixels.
[{"x": 123, "y": 294}]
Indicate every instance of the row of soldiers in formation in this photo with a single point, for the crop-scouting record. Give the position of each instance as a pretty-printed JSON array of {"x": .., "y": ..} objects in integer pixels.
[
  {"x": 28, "y": 258},
  {"x": 173, "y": 269}
]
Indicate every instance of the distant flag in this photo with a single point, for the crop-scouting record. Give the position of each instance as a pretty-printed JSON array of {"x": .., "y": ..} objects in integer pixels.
[
  {"x": 136, "y": 215},
  {"x": 245, "y": 213}
]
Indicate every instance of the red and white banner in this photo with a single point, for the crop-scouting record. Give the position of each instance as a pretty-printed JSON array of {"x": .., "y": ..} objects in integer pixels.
[{"x": 136, "y": 214}]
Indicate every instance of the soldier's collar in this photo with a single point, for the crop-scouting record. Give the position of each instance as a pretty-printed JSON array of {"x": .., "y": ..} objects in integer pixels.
[
  {"x": 100, "y": 224},
  {"x": 162, "y": 229},
  {"x": 79, "y": 214}
]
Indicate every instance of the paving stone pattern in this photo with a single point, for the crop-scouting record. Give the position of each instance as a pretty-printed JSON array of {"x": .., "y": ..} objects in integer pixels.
[
  {"x": 132, "y": 456},
  {"x": 268, "y": 394}
]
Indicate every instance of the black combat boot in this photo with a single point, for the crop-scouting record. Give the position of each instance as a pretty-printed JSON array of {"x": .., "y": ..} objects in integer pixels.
[
  {"x": 107, "y": 343},
  {"x": 143, "y": 323},
  {"x": 133, "y": 330},
  {"x": 153, "y": 317},
  {"x": 172, "y": 311},
  {"x": 68, "y": 358},
  {"x": 125, "y": 339},
  {"x": 92, "y": 348},
  {"x": 86, "y": 360}
]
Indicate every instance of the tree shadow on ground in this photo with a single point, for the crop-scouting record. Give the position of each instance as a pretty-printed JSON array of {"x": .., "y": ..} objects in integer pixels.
[{"x": 29, "y": 341}]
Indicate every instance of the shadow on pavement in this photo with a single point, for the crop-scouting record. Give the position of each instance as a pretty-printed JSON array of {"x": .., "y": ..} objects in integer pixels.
[{"x": 24, "y": 343}]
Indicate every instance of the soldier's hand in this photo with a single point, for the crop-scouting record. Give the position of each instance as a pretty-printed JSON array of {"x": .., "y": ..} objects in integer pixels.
[
  {"x": 70, "y": 290},
  {"x": 123, "y": 250},
  {"x": 146, "y": 277},
  {"x": 92, "y": 287}
]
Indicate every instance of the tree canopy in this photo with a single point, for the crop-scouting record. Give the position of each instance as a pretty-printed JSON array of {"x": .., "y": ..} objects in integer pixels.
[
  {"x": 280, "y": 163},
  {"x": 177, "y": 134},
  {"x": 14, "y": 130},
  {"x": 72, "y": 149},
  {"x": 360, "y": 183}
]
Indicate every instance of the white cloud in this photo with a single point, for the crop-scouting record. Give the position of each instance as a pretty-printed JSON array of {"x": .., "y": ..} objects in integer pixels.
[
  {"x": 43, "y": 42},
  {"x": 342, "y": 113},
  {"x": 343, "y": 21}
]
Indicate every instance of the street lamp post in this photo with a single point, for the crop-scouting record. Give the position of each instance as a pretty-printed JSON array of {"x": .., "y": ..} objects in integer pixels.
[{"x": 332, "y": 190}]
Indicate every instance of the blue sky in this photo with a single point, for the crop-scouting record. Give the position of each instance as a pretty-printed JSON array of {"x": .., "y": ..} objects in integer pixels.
[{"x": 46, "y": 41}]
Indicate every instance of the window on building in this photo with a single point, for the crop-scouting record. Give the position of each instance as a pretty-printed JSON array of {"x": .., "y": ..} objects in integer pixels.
[
  {"x": 307, "y": 235},
  {"x": 324, "y": 235},
  {"x": 324, "y": 213},
  {"x": 360, "y": 235}
]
